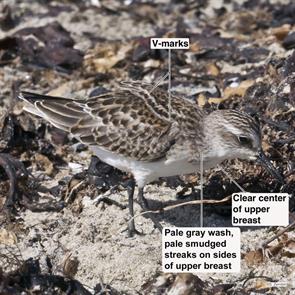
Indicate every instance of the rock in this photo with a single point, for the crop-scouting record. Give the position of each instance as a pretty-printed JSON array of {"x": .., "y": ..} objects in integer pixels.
[
  {"x": 281, "y": 32},
  {"x": 7, "y": 21},
  {"x": 289, "y": 65},
  {"x": 7, "y": 237},
  {"x": 289, "y": 41}
]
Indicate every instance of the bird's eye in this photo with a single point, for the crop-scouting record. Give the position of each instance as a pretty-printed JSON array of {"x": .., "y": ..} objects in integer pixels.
[{"x": 245, "y": 141}]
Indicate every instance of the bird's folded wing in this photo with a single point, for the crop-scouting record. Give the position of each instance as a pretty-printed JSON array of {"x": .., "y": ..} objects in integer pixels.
[
  {"x": 119, "y": 121},
  {"x": 61, "y": 112}
]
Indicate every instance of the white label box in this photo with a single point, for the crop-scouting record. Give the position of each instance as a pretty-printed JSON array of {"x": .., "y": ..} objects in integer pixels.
[
  {"x": 260, "y": 209},
  {"x": 169, "y": 43},
  {"x": 201, "y": 249}
]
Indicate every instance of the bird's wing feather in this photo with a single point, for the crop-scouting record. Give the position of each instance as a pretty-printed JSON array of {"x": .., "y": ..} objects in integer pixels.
[
  {"x": 61, "y": 112},
  {"x": 128, "y": 126},
  {"x": 185, "y": 113},
  {"x": 128, "y": 121}
]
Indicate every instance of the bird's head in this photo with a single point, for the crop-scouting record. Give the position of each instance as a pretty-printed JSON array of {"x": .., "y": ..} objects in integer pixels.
[{"x": 234, "y": 134}]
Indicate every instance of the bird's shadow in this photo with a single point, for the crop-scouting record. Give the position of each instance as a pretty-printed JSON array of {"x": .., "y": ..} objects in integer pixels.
[
  {"x": 215, "y": 215},
  {"x": 188, "y": 215}
]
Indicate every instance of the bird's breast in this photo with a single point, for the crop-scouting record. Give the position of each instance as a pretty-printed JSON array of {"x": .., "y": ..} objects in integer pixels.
[{"x": 145, "y": 172}]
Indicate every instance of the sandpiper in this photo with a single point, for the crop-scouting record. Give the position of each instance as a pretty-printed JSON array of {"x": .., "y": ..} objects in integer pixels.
[{"x": 134, "y": 130}]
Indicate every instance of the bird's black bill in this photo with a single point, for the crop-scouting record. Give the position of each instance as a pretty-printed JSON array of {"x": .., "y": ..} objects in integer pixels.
[{"x": 269, "y": 166}]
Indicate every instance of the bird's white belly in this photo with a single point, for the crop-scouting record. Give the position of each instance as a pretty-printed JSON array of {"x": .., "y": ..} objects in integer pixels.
[{"x": 145, "y": 172}]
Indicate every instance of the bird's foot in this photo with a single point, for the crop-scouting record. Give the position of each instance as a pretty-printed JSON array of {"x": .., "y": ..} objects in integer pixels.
[
  {"x": 158, "y": 226},
  {"x": 132, "y": 231}
]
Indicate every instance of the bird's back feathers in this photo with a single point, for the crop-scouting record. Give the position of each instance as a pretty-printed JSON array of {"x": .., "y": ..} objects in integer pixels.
[{"x": 132, "y": 121}]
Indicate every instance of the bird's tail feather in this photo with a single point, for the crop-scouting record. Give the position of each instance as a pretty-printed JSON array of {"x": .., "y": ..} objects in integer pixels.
[{"x": 61, "y": 112}]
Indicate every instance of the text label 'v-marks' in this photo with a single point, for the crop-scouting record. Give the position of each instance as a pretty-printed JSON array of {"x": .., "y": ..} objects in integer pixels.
[{"x": 169, "y": 43}]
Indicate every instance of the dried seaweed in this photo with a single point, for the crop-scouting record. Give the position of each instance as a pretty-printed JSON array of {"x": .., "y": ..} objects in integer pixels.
[
  {"x": 241, "y": 57},
  {"x": 28, "y": 278},
  {"x": 57, "y": 51}
]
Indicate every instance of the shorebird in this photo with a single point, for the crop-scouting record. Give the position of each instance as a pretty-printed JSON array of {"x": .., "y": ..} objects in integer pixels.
[{"x": 135, "y": 130}]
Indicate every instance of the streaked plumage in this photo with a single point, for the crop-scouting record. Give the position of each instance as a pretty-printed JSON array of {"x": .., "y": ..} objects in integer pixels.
[
  {"x": 130, "y": 121},
  {"x": 130, "y": 128}
]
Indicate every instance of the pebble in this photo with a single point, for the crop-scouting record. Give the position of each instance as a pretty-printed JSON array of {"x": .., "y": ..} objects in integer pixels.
[{"x": 289, "y": 41}]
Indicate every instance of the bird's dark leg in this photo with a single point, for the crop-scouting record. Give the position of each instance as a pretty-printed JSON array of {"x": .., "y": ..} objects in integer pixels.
[
  {"x": 142, "y": 200},
  {"x": 144, "y": 205},
  {"x": 131, "y": 223}
]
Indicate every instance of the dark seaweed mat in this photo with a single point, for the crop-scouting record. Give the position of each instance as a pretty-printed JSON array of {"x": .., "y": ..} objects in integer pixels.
[{"x": 28, "y": 279}]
